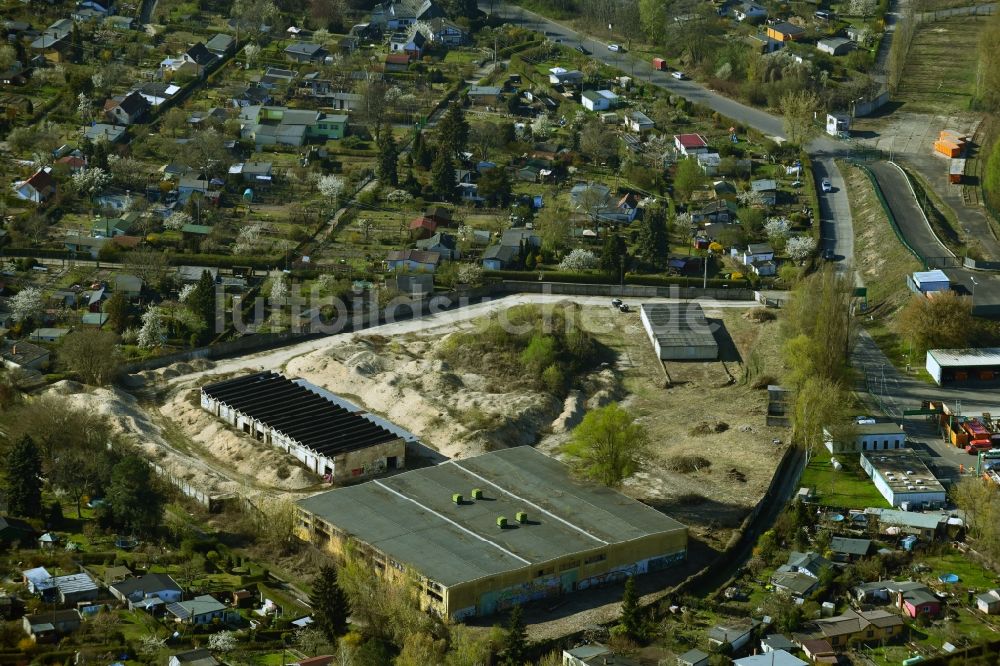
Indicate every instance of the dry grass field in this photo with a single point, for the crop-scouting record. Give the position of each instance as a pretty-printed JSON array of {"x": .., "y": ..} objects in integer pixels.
[{"x": 941, "y": 67}]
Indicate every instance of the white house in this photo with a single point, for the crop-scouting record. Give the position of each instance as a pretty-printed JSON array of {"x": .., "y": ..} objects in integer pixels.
[
  {"x": 38, "y": 188},
  {"x": 835, "y": 46},
  {"x": 989, "y": 602},
  {"x": 756, "y": 252},
  {"x": 869, "y": 437},
  {"x": 690, "y": 144},
  {"x": 750, "y": 12},
  {"x": 598, "y": 100},
  {"x": 639, "y": 122},
  {"x": 709, "y": 162}
]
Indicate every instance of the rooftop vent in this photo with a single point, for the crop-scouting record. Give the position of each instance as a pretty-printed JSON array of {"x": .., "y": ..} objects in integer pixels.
[
  {"x": 477, "y": 494},
  {"x": 521, "y": 516}
]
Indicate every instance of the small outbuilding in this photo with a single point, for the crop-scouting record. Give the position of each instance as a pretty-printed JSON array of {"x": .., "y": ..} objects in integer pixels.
[
  {"x": 835, "y": 46},
  {"x": 924, "y": 282}
]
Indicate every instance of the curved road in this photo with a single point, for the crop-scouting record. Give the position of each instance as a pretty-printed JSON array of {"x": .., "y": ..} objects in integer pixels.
[
  {"x": 835, "y": 211},
  {"x": 899, "y": 195}
]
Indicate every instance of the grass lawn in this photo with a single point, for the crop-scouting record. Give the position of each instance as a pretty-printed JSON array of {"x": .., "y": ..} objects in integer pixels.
[
  {"x": 939, "y": 76},
  {"x": 848, "y": 488},
  {"x": 971, "y": 575}
]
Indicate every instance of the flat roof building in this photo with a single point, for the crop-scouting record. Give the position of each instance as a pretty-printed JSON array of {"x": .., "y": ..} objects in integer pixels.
[
  {"x": 489, "y": 532},
  {"x": 311, "y": 424},
  {"x": 868, "y": 437},
  {"x": 902, "y": 478},
  {"x": 958, "y": 365},
  {"x": 679, "y": 331}
]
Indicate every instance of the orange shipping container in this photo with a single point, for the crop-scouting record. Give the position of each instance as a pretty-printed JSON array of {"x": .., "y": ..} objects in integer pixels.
[
  {"x": 952, "y": 136},
  {"x": 959, "y": 438},
  {"x": 947, "y": 148}
]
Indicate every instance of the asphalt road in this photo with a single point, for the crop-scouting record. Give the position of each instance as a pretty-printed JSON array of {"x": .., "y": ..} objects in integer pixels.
[
  {"x": 835, "y": 210},
  {"x": 983, "y": 287}
]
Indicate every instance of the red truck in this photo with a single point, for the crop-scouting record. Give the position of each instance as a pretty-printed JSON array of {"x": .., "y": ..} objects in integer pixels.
[
  {"x": 660, "y": 65},
  {"x": 979, "y": 436}
]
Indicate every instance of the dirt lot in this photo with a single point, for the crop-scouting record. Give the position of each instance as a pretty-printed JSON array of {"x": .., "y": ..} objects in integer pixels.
[{"x": 713, "y": 454}]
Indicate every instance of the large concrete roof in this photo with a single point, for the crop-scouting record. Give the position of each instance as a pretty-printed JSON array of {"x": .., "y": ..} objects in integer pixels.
[{"x": 412, "y": 519}]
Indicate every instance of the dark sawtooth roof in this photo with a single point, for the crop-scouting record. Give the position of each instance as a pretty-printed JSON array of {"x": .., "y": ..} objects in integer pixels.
[{"x": 297, "y": 412}]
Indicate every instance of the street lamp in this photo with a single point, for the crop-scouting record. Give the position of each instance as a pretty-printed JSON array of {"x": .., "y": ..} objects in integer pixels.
[{"x": 974, "y": 283}]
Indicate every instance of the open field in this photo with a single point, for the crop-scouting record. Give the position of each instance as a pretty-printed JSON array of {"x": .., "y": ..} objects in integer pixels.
[{"x": 941, "y": 67}]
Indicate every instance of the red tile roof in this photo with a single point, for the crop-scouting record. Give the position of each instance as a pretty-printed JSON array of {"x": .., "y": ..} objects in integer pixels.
[
  {"x": 42, "y": 182},
  {"x": 423, "y": 223},
  {"x": 692, "y": 140}
]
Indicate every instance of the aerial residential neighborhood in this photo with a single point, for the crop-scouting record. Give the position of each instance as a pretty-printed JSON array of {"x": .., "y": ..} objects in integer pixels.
[{"x": 500, "y": 333}]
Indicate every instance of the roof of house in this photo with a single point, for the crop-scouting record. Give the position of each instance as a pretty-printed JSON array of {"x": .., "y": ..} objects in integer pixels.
[
  {"x": 132, "y": 103},
  {"x": 128, "y": 282},
  {"x": 503, "y": 253},
  {"x": 423, "y": 223},
  {"x": 202, "y": 605},
  {"x": 834, "y": 42},
  {"x": 53, "y": 616},
  {"x": 817, "y": 646},
  {"x": 15, "y": 524},
  {"x": 219, "y": 42},
  {"x": 763, "y": 185},
  {"x": 778, "y": 642},
  {"x": 200, "y": 54},
  {"x": 321, "y": 660},
  {"x": 397, "y": 59},
  {"x": 990, "y": 596},
  {"x": 148, "y": 584},
  {"x": 691, "y": 140},
  {"x": 949, "y": 358},
  {"x": 412, "y": 519},
  {"x": 74, "y": 583},
  {"x": 773, "y": 658},
  {"x": 729, "y": 634},
  {"x": 22, "y": 353},
  {"x": 483, "y": 90},
  {"x": 760, "y": 248},
  {"x": 787, "y": 28},
  {"x": 304, "y": 48},
  {"x": 199, "y": 657},
  {"x": 850, "y": 546},
  {"x": 418, "y": 256},
  {"x": 41, "y": 180},
  {"x": 908, "y": 518},
  {"x": 693, "y": 657},
  {"x": 795, "y": 582},
  {"x": 936, "y": 275},
  {"x": 640, "y": 118}
]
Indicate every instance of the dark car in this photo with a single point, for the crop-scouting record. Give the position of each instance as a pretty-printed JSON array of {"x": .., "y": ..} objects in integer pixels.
[
  {"x": 828, "y": 255},
  {"x": 579, "y": 47}
]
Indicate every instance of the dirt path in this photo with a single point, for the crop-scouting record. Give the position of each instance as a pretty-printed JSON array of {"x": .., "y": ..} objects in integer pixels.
[{"x": 277, "y": 358}]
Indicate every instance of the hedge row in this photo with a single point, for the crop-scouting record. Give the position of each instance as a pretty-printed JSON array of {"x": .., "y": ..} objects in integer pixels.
[{"x": 602, "y": 278}]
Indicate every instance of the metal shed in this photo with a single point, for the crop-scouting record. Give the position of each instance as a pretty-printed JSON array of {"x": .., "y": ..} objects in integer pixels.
[{"x": 679, "y": 331}]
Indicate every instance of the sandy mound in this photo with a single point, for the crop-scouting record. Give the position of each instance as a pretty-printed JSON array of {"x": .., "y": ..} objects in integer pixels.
[
  {"x": 248, "y": 457},
  {"x": 129, "y": 420}
]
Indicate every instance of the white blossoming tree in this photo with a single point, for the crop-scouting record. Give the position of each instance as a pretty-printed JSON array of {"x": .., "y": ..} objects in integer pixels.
[
  {"x": 152, "y": 333},
  {"x": 26, "y": 304},
  {"x": 470, "y": 274},
  {"x": 331, "y": 187},
  {"x": 801, "y": 247},
  {"x": 279, "y": 289},
  {"x": 177, "y": 221},
  {"x": 579, "y": 260}
]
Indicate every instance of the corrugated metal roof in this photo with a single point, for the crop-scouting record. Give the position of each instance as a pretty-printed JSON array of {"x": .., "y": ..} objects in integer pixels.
[{"x": 950, "y": 358}]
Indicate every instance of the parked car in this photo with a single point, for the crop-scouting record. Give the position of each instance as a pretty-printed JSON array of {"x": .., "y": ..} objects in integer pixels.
[
  {"x": 679, "y": 75},
  {"x": 624, "y": 307},
  {"x": 614, "y": 47},
  {"x": 616, "y": 303},
  {"x": 826, "y": 186},
  {"x": 582, "y": 50}
]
